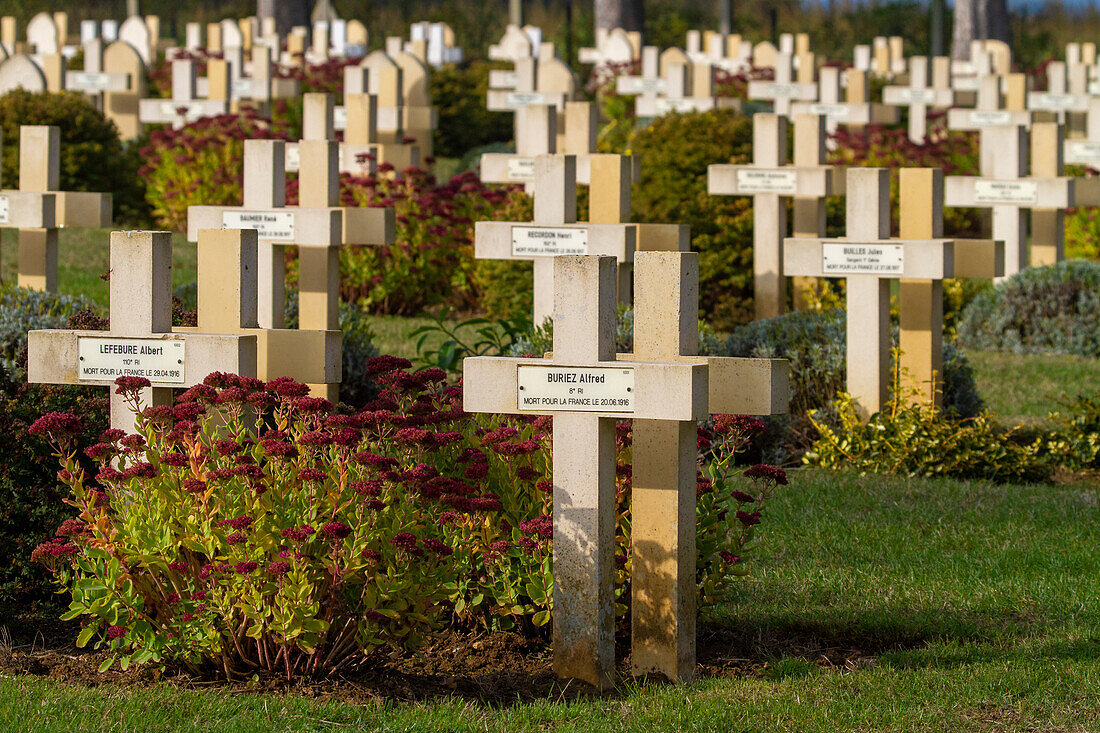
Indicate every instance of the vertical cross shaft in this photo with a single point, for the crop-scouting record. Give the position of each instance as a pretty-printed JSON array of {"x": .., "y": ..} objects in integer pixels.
[
  {"x": 265, "y": 189},
  {"x": 769, "y": 216}
]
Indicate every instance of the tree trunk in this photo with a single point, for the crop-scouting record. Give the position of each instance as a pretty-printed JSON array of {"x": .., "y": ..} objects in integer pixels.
[
  {"x": 725, "y": 17},
  {"x": 964, "y": 29},
  {"x": 979, "y": 20},
  {"x": 287, "y": 13},
  {"x": 996, "y": 19},
  {"x": 625, "y": 14}
]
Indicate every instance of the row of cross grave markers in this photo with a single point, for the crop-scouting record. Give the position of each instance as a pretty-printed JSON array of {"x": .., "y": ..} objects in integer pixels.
[
  {"x": 141, "y": 341},
  {"x": 664, "y": 388},
  {"x": 770, "y": 182},
  {"x": 920, "y": 96},
  {"x": 39, "y": 207},
  {"x": 434, "y": 44},
  {"x": 185, "y": 106},
  {"x": 670, "y": 81},
  {"x": 317, "y": 225},
  {"x": 789, "y": 86},
  {"x": 842, "y": 100},
  {"x": 555, "y": 230},
  {"x": 729, "y": 52},
  {"x": 1067, "y": 97},
  {"x": 1001, "y": 101},
  {"x": 614, "y": 47},
  {"x": 360, "y": 153},
  {"x": 537, "y": 134},
  {"x": 543, "y": 81},
  {"x": 868, "y": 259},
  {"x": 1006, "y": 189},
  {"x": 517, "y": 43}
]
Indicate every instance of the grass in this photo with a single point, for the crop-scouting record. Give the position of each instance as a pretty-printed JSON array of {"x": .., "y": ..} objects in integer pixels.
[
  {"x": 879, "y": 603},
  {"x": 1024, "y": 388},
  {"x": 83, "y": 255}
]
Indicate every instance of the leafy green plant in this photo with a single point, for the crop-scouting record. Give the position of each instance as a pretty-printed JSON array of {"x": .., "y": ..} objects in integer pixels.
[
  {"x": 1075, "y": 442},
  {"x": 488, "y": 338},
  {"x": 459, "y": 93}
]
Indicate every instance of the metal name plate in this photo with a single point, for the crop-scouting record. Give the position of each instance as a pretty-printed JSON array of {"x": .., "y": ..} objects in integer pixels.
[
  {"x": 990, "y": 119},
  {"x": 832, "y": 111},
  {"x": 4, "y": 216},
  {"x": 1006, "y": 192},
  {"x": 340, "y": 117},
  {"x": 575, "y": 389},
  {"x": 106, "y": 359},
  {"x": 767, "y": 181},
  {"x": 524, "y": 99},
  {"x": 241, "y": 87},
  {"x": 1082, "y": 152},
  {"x": 521, "y": 169},
  {"x": 1053, "y": 101},
  {"x": 862, "y": 259},
  {"x": 88, "y": 80},
  {"x": 775, "y": 90},
  {"x": 908, "y": 95},
  {"x": 549, "y": 241},
  {"x": 270, "y": 226},
  {"x": 664, "y": 105}
]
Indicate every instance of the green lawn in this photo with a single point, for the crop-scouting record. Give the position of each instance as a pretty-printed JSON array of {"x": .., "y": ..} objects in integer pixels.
[
  {"x": 878, "y": 604},
  {"x": 1025, "y": 388}
]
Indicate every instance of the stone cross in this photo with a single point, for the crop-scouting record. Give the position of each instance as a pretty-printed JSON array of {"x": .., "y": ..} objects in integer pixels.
[
  {"x": 366, "y": 112},
  {"x": 994, "y": 108},
  {"x": 184, "y": 106},
  {"x": 227, "y": 298},
  {"x": 1086, "y": 151},
  {"x": 360, "y": 152},
  {"x": 1064, "y": 95},
  {"x": 140, "y": 341},
  {"x": 662, "y": 512},
  {"x": 39, "y": 207},
  {"x": 918, "y": 96},
  {"x": 92, "y": 78},
  {"x": 850, "y": 107},
  {"x": 771, "y": 182},
  {"x": 553, "y": 232},
  {"x": 1005, "y": 187},
  {"x": 869, "y": 259},
  {"x": 318, "y": 226},
  {"x": 786, "y": 90},
  {"x": 525, "y": 90},
  {"x": 586, "y": 390}
]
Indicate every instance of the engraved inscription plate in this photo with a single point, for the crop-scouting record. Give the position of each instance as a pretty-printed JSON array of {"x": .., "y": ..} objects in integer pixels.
[
  {"x": 161, "y": 361},
  {"x": 979, "y": 118},
  {"x": 1082, "y": 152},
  {"x": 909, "y": 95},
  {"x": 4, "y": 210},
  {"x": 832, "y": 111},
  {"x": 774, "y": 90},
  {"x": 521, "y": 169},
  {"x": 340, "y": 117},
  {"x": 1006, "y": 192},
  {"x": 242, "y": 87},
  {"x": 1053, "y": 101},
  {"x": 271, "y": 226},
  {"x": 524, "y": 99},
  {"x": 853, "y": 258},
  {"x": 766, "y": 181},
  {"x": 664, "y": 105},
  {"x": 88, "y": 80},
  {"x": 575, "y": 389},
  {"x": 549, "y": 241}
]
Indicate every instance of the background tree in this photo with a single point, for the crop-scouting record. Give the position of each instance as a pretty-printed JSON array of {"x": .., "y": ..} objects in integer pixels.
[
  {"x": 979, "y": 20},
  {"x": 626, "y": 14}
]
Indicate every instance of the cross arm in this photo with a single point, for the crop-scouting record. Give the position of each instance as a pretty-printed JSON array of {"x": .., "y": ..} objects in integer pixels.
[
  {"x": 1042, "y": 193},
  {"x": 918, "y": 259},
  {"x": 313, "y": 357},
  {"x": 1086, "y": 191},
  {"x": 777, "y": 90},
  {"x": 368, "y": 225},
  {"x": 748, "y": 180},
  {"x": 976, "y": 119},
  {"x": 851, "y": 113},
  {"x": 662, "y": 391},
  {"x": 81, "y": 209},
  {"x": 495, "y": 239},
  {"x": 739, "y": 386},
  {"x": 53, "y": 357},
  {"x": 979, "y": 258},
  {"x": 26, "y": 210},
  {"x": 309, "y": 227},
  {"x": 663, "y": 238},
  {"x": 909, "y": 95},
  {"x": 501, "y": 100}
]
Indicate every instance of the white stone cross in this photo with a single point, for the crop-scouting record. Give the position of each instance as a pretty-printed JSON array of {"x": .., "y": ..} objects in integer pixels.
[
  {"x": 39, "y": 208},
  {"x": 524, "y": 92},
  {"x": 140, "y": 341},
  {"x": 770, "y": 181},
  {"x": 1086, "y": 151},
  {"x": 853, "y": 110},
  {"x": 918, "y": 96},
  {"x": 184, "y": 106},
  {"x": 994, "y": 108},
  {"x": 553, "y": 232},
  {"x": 586, "y": 390},
  {"x": 92, "y": 78},
  {"x": 360, "y": 152},
  {"x": 1063, "y": 95},
  {"x": 786, "y": 90},
  {"x": 869, "y": 259}
]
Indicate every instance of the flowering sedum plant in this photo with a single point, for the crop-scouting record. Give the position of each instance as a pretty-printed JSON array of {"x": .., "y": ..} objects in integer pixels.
[{"x": 253, "y": 528}]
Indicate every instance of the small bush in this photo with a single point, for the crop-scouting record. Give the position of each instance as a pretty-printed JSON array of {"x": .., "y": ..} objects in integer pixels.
[
  {"x": 1040, "y": 310},
  {"x": 23, "y": 310},
  {"x": 459, "y": 93},
  {"x": 1083, "y": 233},
  {"x": 918, "y": 440},
  {"x": 93, "y": 157},
  {"x": 1076, "y": 439}
]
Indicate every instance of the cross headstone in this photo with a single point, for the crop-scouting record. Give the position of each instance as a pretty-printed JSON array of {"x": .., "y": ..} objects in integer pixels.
[
  {"x": 770, "y": 181},
  {"x": 140, "y": 341},
  {"x": 918, "y": 96},
  {"x": 586, "y": 390},
  {"x": 994, "y": 108},
  {"x": 785, "y": 89},
  {"x": 184, "y": 105},
  {"x": 92, "y": 79},
  {"x": 227, "y": 299},
  {"x": 849, "y": 107},
  {"x": 869, "y": 259},
  {"x": 373, "y": 117},
  {"x": 553, "y": 232},
  {"x": 39, "y": 207},
  {"x": 1063, "y": 95}
]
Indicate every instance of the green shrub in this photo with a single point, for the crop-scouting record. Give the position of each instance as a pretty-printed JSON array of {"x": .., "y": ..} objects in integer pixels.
[
  {"x": 1082, "y": 233},
  {"x": 814, "y": 342},
  {"x": 459, "y": 93},
  {"x": 1075, "y": 442},
  {"x": 918, "y": 440},
  {"x": 23, "y": 310},
  {"x": 93, "y": 157},
  {"x": 676, "y": 150},
  {"x": 1053, "y": 309}
]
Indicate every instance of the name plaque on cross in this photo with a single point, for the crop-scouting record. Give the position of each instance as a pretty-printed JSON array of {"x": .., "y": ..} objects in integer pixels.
[
  {"x": 521, "y": 169},
  {"x": 909, "y": 95},
  {"x": 88, "y": 80},
  {"x": 340, "y": 117},
  {"x": 4, "y": 210},
  {"x": 549, "y": 241},
  {"x": 168, "y": 109},
  {"x": 640, "y": 85},
  {"x": 525, "y": 99},
  {"x": 665, "y": 105},
  {"x": 765, "y": 181},
  {"x": 273, "y": 226},
  {"x": 582, "y": 389},
  {"x": 862, "y": 259},
  {"x": 771, "y": 89},
  {"x": 106, "y": 359},
  {"x": 1054, "y": 101},
  {"x": 242, "y": 87},
  {"x": 1082, "y": 152},
  {"x": 1006, "y": 192},
  {"x": 832, "y": 111},
  {"x": 990, "y": 119}
]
